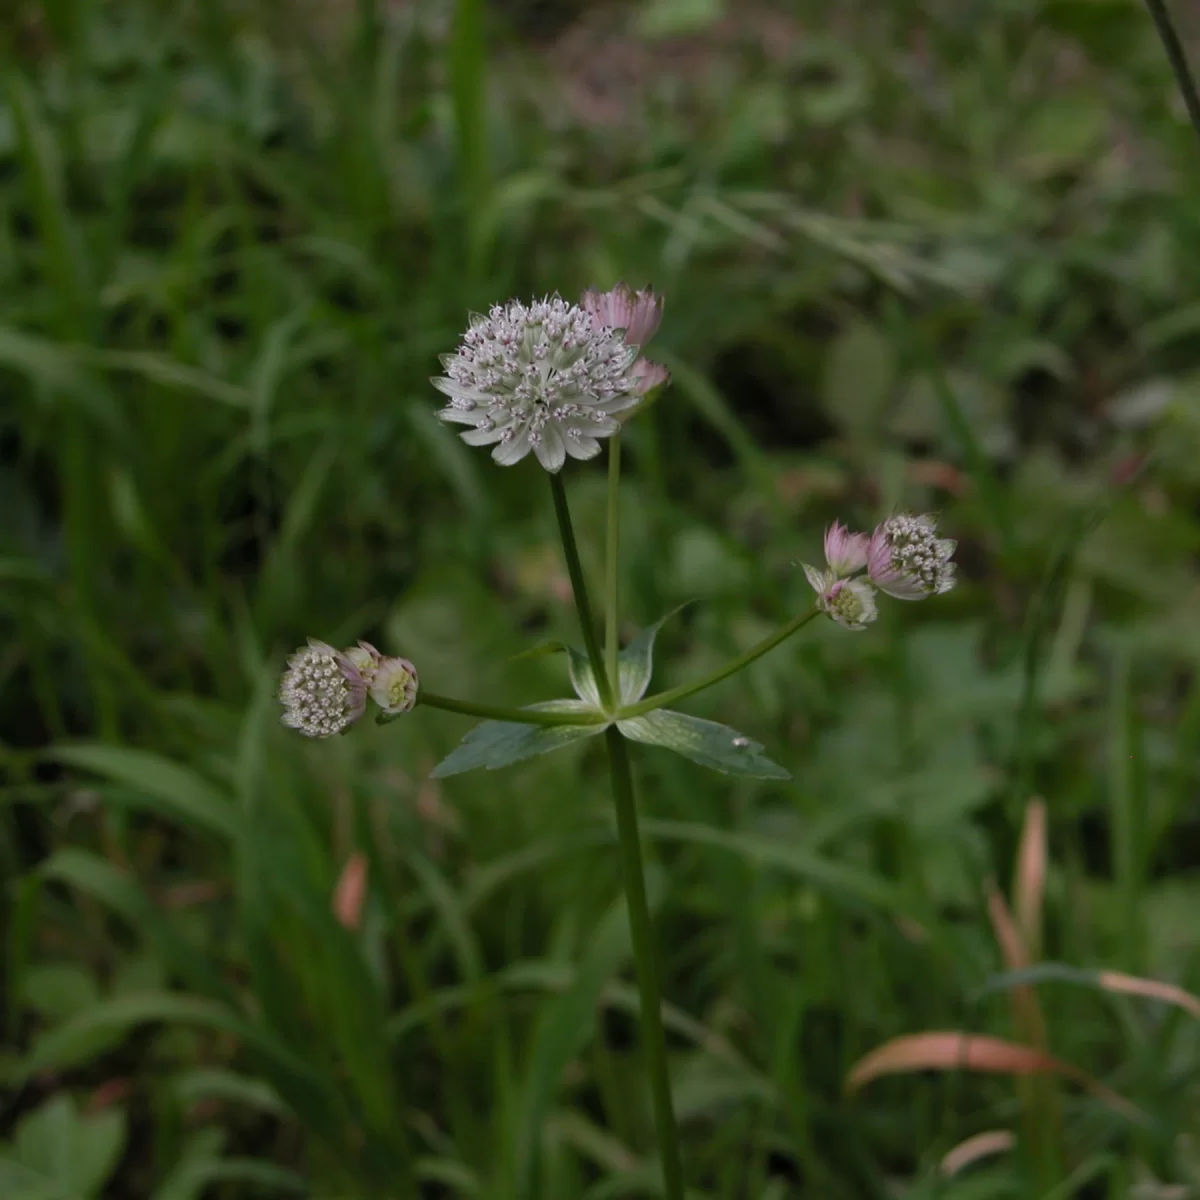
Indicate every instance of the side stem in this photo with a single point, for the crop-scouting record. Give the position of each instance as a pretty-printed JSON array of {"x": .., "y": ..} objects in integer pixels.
[
  {"x": 579, "y": 587},
  {"x": 493, "y": 712},
  {"x": 731, "y": 668},
  {"x": 612, "y": 551},
  {"x": 649, "y": 987}
]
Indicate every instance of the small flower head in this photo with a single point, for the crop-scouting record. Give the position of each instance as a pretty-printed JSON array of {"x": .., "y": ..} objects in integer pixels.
[
  {"x": 638, "y": 315},
  {"x": 322, "y": 691},
  {"x": 540, "y": 377},
  {"x": 908, "y": 560},
  {"x": 845, "y": 552},
  {"x": 394, "y": 686},
  {"x": 366, "y": 659},
  {"x": 850, "y": 602}
]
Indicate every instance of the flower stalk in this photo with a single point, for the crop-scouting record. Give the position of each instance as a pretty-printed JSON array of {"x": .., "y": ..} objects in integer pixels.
[
  {"x": 495, "y": 712},
  {"x": 662, "y": 699},
  {"x": 579, "y": 589}
]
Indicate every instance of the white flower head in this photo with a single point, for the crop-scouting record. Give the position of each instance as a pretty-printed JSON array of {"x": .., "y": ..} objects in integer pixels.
[
  {"x": 908, "y": 560},
  {"x": 394, "y": 685},
  {"x": 845, "y": 552},
  {"x": 322, "y": 691},
  {"x": 849, "y": 602},
  {"x": 540, "y": 377}
]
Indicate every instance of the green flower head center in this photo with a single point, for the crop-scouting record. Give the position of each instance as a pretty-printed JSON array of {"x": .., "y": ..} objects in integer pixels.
[
  {"x": 398, "y": 689},
  {"x": 846, "y": 603}
]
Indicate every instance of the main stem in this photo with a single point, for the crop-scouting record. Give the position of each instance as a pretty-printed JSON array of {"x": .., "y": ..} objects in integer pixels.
[
  {"x": 649, "y": 987},
  {"x": 579, "y": 588},
  {"x": 641, "y": 931}
]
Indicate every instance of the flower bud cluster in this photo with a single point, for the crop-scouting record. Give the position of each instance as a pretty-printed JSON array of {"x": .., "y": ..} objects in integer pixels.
[
  {"x": 324, "y": 691},
  {"x": 904, "y": 557}
]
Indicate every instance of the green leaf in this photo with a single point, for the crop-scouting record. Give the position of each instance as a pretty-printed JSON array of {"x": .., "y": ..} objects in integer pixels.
[
  {"x": 447, "y": 902},
  {"x": 794, "y": 860},
  {"x": 99, "y": 879},
  {"x": 57, "y": 991},
  {"x": 181, "y": 793},
  {"x": 58, "y": 1047},
  {"x": 199, "y": 1084},
  {"x": 166, "y": 372},
  {"x": 193, "y": 1179},
  {"x": 49, "y": 365},
  {"x": 636, "y": 662},
  {"x": 495, "y": 744},
  {"x": 65, "y": 1154},
  {"x": 18, "y": 1182},
  {"x": 705, "y": 742}
]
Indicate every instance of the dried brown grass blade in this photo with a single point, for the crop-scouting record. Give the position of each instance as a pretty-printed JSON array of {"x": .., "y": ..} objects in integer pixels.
[
  {"x": 351, "y": 891},
  {"x": 953, "y": 1050},
  {"x": 982, "y": 1145}
]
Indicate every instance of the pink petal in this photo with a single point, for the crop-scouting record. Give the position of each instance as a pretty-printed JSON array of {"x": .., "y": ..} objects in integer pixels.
[
  {"x": 845, "y": 552},
  {"x": 649, "y": 375},
  {"x": 637, "y": 313}
]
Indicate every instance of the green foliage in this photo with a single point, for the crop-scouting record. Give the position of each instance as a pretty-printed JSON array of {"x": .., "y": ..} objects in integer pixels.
[
  {"x": 910, "y": 259},
  {"x": 708, "y": 743},
  {"x": 496, "y": 744},
  {"x": 58, "y": 1153}
]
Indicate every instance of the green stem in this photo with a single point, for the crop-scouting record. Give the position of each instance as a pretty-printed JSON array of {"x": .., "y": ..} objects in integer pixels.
[
  {"x": 732, "y": 668},
  {"x": 611, "y": 553},
  {"x": 649, "y": 987},
  {"x": 1161, "y": 16},
  {"x": 579, "y": 588},
  {"x": 493, "y": 712}
]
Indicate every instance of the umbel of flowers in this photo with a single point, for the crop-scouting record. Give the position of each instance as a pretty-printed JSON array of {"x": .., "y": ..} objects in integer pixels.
[
  {"x": 552, "y": 381},
  {"x": 904, "y": 557},
  {"x": 551, "y": 377},
  {"x": 324, "y": 691}
]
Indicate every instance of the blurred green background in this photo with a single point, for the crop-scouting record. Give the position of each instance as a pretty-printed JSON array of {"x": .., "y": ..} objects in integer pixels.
[{"x": 936, "y": 254}]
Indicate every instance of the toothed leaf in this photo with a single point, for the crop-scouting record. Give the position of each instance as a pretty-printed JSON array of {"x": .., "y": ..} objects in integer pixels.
[
  {"x": 495, "y": 744},
  {"x": 705, "y": 742}
]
